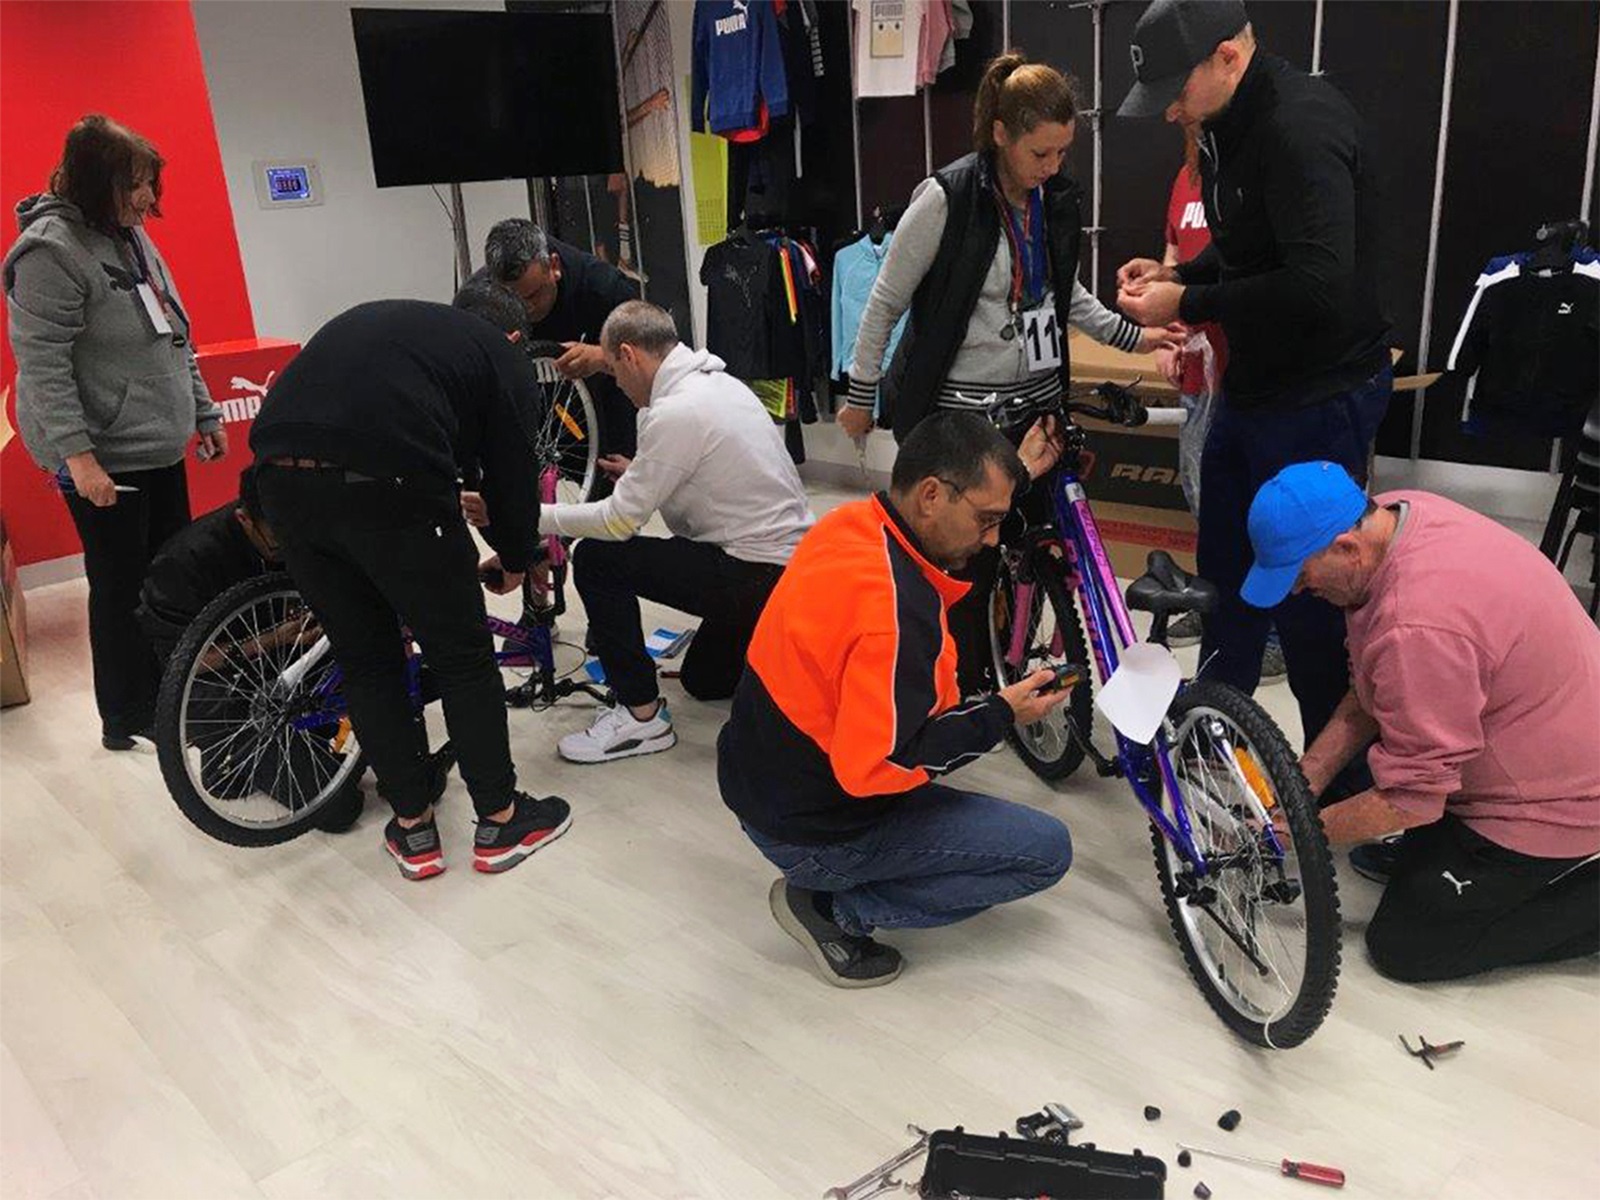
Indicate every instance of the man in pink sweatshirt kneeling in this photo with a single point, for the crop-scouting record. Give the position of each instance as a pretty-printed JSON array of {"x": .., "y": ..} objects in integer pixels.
[{"x": 1476, "y": 696}]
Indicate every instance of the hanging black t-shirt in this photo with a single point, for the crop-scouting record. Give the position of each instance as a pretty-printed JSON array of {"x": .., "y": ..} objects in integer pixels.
[{"x": 743, "y": 279}]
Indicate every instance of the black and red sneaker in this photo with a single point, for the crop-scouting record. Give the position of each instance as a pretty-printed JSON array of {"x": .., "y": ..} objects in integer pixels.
[
  {"x": 534, "y": 823},
  {"x": 416, "y": 851}
]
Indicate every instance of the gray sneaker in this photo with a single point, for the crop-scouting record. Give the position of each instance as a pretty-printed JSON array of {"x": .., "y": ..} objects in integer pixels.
[
  {"x": 1273, "y": 668},
  {"x": 1185, "y": 631},
  {"x": 842, "y": 959}
]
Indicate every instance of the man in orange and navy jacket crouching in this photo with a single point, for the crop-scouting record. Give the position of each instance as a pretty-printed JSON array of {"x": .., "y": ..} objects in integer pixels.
[{"x": 848, "y": 710}]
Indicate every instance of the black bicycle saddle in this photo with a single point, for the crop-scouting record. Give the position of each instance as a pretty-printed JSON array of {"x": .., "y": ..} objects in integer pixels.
[{"x": 1166, "y": 588}]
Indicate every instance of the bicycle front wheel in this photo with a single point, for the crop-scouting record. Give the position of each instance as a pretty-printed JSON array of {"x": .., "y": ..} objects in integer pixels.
[
  {"x": 567, "y": 427},
  {"x": 1033, "y": 623},
  {"x": 250, "y": 728},
  {"x": 1259, "y": 931}
]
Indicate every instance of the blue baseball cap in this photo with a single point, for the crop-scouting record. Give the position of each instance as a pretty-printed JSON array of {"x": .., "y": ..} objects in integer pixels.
[{"x": 1297, "y": 513}]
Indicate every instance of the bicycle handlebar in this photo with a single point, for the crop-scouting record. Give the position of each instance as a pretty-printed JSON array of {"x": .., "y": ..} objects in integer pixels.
[{"x": 1118, "y": 406}]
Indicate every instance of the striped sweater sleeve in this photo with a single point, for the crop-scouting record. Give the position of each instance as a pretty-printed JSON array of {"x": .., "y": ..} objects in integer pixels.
[{"x": 1104, "y": 325}]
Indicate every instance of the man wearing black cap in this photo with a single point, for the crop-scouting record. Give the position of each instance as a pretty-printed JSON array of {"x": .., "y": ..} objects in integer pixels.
[{"x": 1288, "y": 275}]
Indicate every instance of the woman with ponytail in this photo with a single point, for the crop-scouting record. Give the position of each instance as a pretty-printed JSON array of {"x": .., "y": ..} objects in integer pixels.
[{"x": 986, "y": 260}]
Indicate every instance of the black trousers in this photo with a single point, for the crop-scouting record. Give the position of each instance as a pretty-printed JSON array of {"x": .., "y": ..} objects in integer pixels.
[
  {"x": 118, "y": 544},
  {"x": 726, "y": 593},
  {"x": 369, "y": 556},
  {"x": 1244, "y": 449},
  {"x": 1458, "y": 904}
]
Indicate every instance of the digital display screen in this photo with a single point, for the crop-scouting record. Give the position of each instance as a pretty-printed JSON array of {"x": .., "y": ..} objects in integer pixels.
[{"x": 288, "y": 183}]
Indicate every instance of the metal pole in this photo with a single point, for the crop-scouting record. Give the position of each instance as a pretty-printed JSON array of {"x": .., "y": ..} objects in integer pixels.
[
  {"x": 539, "y": 197},
  {"x": 1094, "y": 219},
  {"x": 588, "y": 212},
  {"x": 927, "y": 131},
  {"x": 1433, "y": 228},
  {"x": 1594, "y": 139},
  {"x": 1005, "y": 25},
  {"x": 458, "y": 223},
  {"x": 855, "y": 114},
  {"x": 1316, "y": 42}
]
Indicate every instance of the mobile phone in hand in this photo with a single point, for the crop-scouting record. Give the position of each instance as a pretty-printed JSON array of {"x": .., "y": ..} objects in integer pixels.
[
  {"x": 1067, "y": 675},
  {"x": 494, "y": 577}
]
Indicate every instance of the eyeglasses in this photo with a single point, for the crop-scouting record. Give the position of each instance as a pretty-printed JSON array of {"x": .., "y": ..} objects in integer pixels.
[{"x": 986, "y": 520}]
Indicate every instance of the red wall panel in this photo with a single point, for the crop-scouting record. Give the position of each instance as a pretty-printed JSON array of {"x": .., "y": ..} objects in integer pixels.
[{"x": 139, "y": 63}]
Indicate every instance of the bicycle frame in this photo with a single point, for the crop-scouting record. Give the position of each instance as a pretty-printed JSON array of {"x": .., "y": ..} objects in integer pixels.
[
  {"x": 1148, "y": 768},
  {"x": 1110, "y": 630},
  {"x": 534, "y": 649}
]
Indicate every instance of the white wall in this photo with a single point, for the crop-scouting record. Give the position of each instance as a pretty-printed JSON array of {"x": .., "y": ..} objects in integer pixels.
[{"x": 284, "y": 84}]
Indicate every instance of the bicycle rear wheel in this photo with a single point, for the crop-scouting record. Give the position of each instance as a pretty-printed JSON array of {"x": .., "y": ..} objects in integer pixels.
[
  {"x": 1051, "y": 633},
  {"x": 567, "y": 433},
  {"x": 250, "y": 728},
  {"x": 1260, "y": 935}
]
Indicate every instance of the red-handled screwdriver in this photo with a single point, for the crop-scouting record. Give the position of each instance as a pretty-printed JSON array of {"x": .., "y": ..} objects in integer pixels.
[{"x": 1310, "y": 1172}]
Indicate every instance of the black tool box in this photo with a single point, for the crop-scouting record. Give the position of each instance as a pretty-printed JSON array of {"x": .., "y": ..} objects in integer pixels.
[{"x": 1004, "y": 1168}]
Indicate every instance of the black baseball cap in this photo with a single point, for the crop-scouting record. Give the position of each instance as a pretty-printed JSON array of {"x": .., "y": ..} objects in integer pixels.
[{"x": 1170, "y": 40}]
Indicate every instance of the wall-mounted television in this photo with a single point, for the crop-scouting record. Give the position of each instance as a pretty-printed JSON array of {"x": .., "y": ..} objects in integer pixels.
[{"x": 455, "y": 96}]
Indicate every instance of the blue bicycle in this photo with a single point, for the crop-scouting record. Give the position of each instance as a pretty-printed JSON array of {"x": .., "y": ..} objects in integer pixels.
[
  {"x": 1240, "y": 853},
  {"x": 252, "y": 732}
]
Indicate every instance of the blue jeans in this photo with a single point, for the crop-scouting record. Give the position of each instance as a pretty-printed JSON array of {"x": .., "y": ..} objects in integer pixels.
[
  {"x": 1243, "y": 450},
  {"x": 941, "y": 857}
]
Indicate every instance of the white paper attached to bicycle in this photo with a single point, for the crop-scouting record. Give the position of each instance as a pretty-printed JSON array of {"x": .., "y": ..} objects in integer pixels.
[{"x": 1140, "y": 691}]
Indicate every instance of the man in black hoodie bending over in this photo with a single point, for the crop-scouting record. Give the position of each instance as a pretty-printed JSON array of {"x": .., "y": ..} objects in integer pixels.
[
  {"x": 360, "y": 446},
  {"x": 1289, "y": 274}
]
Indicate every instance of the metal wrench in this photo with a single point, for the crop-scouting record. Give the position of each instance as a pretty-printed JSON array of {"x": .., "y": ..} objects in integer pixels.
[{"x": 879, "y": 1175}]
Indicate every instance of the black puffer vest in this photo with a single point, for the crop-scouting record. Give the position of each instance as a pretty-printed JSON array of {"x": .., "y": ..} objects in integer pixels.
[{"x": 949, "y": 292}]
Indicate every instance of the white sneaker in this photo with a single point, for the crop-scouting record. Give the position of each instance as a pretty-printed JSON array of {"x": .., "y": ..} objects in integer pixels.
[{"x": 616, "y": 733}]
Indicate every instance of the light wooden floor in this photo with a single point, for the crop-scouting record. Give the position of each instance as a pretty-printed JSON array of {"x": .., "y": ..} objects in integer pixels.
[{"x": 620, "y": 1017}]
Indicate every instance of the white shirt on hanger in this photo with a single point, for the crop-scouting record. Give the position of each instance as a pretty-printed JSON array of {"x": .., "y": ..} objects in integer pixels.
[{"x": 888, "y": 35}]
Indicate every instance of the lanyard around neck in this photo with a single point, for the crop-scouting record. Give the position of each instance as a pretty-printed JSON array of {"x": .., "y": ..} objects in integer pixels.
[{"x": 1030, "y": 269}]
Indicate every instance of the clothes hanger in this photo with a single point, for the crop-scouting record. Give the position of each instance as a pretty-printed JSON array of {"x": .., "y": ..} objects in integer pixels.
[{"x": 1555, "y": 241}]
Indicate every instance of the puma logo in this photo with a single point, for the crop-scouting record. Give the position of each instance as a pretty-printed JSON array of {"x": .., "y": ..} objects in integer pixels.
[
  {"x": 1458, "y": 883},
  {"x": 1565, "y": 309}
]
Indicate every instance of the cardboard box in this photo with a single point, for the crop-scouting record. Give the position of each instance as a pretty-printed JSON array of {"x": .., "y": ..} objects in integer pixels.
[
  {"x": 1131, "y": 475},
  {"x": 13, "y": 629}
]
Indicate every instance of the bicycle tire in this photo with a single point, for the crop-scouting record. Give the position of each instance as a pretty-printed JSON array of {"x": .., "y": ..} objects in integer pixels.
[
  {"x": 576, "y": 458},
  {"x": 1054, "y": 752},
  {"x": 1295, "y": 1020},
  {"x": 174, "y": 741}
]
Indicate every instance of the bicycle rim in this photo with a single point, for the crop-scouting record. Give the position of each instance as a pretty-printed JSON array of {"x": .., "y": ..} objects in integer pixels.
[
  {"x": 566, "y": 434},
  {"x": 261, "y": 753},
  {"x": 1254, "y": 949}
]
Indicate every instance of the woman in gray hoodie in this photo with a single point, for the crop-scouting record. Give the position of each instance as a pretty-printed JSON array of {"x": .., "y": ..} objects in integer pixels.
[{"x": 108, "y": 389}]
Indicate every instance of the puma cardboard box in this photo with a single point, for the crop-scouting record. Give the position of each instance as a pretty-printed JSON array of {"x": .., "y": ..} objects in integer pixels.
[
  {"x": 13, "y": 629},
  {"x": 1131, "y": 475}
]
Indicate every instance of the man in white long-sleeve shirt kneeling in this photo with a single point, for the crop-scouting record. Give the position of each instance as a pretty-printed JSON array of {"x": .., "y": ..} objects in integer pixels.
[{"x": 711, "y": 461}]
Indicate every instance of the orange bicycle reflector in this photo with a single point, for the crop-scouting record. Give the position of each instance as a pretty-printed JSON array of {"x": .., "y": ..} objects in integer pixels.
[
  {"x": 1254, "y": 777},
  {"x": 341, "y": 735},
  {"x": 566, "y": 419}
]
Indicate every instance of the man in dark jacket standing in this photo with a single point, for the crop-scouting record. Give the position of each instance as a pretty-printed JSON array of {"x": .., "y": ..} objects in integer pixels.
[
  {"x": 1289, "y": 277},
  {"x": 359, "y": 446},
  {"x": 568, "y": 294}
]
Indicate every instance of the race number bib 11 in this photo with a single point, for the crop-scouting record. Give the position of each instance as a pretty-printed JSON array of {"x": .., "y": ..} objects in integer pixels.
[{"x": 1041, "y": 338}]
